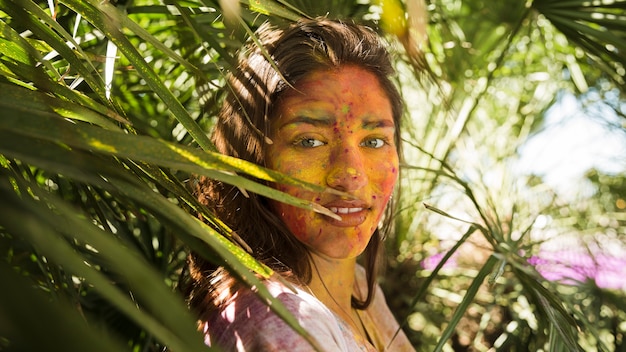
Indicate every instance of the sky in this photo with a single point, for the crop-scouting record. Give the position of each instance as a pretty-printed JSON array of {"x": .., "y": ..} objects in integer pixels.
[{"x": 573, "y": 143}]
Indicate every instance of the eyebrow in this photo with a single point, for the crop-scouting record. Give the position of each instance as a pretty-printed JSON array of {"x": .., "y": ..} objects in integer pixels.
[
  {"x": 315, "y": 121},
  {"x": 329, "y": 121},
  {"x": 378, "y": 123}
]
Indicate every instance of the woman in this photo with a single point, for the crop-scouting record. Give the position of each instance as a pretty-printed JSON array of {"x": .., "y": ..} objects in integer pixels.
[{"x": 330, "y": 117}]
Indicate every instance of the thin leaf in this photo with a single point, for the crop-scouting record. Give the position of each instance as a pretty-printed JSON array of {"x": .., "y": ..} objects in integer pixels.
[
  {"x": 604, "y": 36},
  {"x": 274, "y": 8},
  {"x": 149, "y": 149},
  {"x": 187, "y": 227},
  {"x": 551, "y": 307},
  {"x": 579, "y": 3},
  {"x": 37, "y": 325},
  {"x": 106, "y": 17},
  {"x": 42, "y": 233},
  {"x": 441, "y": 212},
  {"x": 465, "y": 303},
  {"x": 159, "y": 45},
  {"x": 16, "y": 96},
  {"x": 207, "y": 39},
  {"x": 25, "y": 53},
  {"x": 59, "y": 43},
  {"x": 426, "y": 284}
]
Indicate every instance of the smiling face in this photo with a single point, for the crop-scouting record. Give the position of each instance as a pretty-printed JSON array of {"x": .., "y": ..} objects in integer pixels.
[{"x": 335, "y": 129}]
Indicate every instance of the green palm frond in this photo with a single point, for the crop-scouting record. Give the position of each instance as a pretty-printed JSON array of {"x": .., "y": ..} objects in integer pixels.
[
  {"x": 597, "y": 27},
  {"x": 75, "y": 137},
  {"x": 105, "y": 108}
]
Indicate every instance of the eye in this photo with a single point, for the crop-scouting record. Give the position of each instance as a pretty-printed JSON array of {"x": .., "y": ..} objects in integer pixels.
[
  {"x": 309, "y": 143},
  {"x": 374, "y": 143}
]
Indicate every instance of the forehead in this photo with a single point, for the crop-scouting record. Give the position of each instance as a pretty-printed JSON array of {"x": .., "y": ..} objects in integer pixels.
[
  {"x": 343, "y": 89},
  {"x": 347, "y": 77}
]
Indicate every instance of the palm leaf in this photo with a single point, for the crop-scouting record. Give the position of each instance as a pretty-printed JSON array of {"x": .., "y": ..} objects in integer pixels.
[
  {"x": 73, "y": 159},
  {"x": 44, "y": 230},
  {"x": 51, "y": 143},
  {"x": 187, "y": 228},
  {"x": 465, "y": 303},
  {"x": 55, "y": 322},
  {"x": 106, "y": 18},
  {"x": 599, "y": 28}
]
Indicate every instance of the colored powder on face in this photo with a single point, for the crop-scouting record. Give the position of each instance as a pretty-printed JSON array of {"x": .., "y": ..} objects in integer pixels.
[{"x": 374, "y": 171}]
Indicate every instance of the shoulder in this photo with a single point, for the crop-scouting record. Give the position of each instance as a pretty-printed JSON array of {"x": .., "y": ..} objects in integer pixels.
[{"x": 247, "y": 323}]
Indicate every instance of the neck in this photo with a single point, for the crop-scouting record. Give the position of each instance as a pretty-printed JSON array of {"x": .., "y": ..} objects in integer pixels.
[{"x": 332, "y": 282}]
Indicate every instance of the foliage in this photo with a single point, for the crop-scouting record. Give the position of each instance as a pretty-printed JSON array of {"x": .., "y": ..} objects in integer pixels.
[
  {"x": 105, "y": 110},
  {"x": 498, "y": 77}
]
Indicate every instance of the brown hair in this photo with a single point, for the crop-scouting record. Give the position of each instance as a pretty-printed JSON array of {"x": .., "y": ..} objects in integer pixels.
[{"x": 241, "y": 130}]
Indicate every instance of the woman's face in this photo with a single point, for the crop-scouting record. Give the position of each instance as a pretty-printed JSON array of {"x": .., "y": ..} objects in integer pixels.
[{"x": 336, "y": 130}]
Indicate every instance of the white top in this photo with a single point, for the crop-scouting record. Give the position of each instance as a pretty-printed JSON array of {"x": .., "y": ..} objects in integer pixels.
[{"x": 247, "y": 324}]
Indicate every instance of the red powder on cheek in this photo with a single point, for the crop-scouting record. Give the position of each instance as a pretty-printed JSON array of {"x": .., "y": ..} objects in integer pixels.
[{"x": 359, "y": 235}]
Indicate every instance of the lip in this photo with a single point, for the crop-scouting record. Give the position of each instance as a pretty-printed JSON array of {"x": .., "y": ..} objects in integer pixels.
[{"x": 352, "y": 213}]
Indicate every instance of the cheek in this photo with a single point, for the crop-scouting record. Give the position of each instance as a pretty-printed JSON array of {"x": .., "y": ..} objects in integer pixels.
[
  {"x": 306, "y": 169},
  {"x": 298, "y": 221},
  {"x": 384, "y": 182},
  {"x": 291, "y": 216},
  {"x": 295, "y": 218}
]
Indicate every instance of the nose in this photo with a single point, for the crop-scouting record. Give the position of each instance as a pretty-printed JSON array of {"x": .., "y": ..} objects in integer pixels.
[{"x": 346, "y": 169}]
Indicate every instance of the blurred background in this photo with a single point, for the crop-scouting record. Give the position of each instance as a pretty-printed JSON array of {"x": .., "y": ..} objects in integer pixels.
[{"x": 510, "y": 234}]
